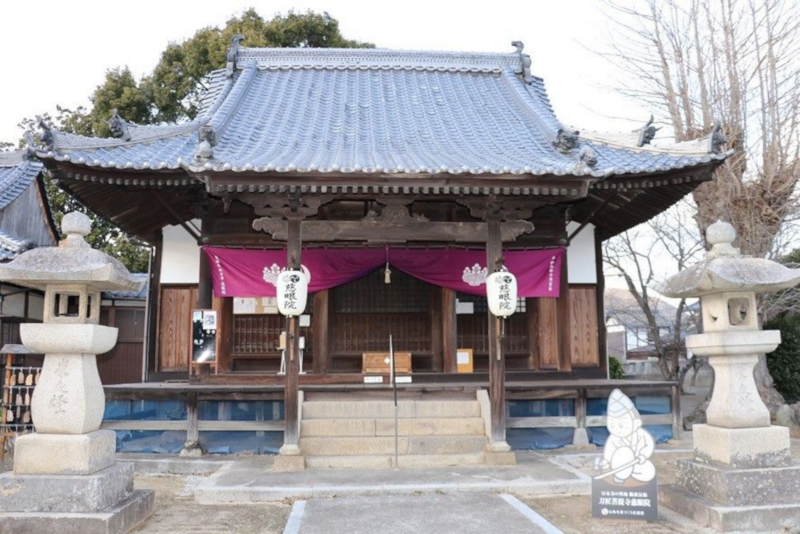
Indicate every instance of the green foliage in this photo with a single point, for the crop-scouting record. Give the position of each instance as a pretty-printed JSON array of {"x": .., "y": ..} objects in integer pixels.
[
  {"x": 172, "y": 93},
  {"x": 784, "y": 363},
  {"x": 615, "y": 369},
  {"x": 177, "y": 83}
]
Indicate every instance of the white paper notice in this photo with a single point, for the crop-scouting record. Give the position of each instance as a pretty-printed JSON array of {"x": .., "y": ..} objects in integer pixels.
[
  {"x": 462, "y": 358},
  {"x": 465, "y": 308}
]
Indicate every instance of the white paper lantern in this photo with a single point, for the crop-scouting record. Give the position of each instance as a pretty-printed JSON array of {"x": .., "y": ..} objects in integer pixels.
[
  {"x": 501, "y": 291},
  {"x": 292, "y": 293}
]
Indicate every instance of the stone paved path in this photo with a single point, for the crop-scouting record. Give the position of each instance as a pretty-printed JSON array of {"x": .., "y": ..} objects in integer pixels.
[{"x": 463, "y": 513}]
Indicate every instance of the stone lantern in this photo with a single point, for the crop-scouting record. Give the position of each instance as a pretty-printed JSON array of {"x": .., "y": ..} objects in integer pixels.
[
  {"x": 742, "y": 476},
  {"x": 68, "y": 464}
]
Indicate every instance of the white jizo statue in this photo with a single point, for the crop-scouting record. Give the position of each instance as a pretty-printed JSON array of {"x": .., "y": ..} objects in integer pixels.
[{"x": 629, "y": 446}]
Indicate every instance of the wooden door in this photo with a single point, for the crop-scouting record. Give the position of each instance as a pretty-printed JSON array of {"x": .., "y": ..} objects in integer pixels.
[
  {"x": 585, "y": 350},
  {"x": 123, "y": 363},
  {"x": 174, "y": 327}
]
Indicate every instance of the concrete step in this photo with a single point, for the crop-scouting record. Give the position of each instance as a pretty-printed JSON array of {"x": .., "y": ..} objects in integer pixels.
[
  {"x": 350, "y": 462},
  {"x": 408, "y": 409},
  {"x": 385, "y": 427},
  {"x": 407, "y": 445},
  {"x": 337, "y": 427},
  {"x": 387, "y": 461},
  {"x": 446, "y": 426}
]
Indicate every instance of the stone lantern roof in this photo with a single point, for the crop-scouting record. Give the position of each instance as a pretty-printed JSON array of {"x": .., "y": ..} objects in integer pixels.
[
  {"x": 72, "y": 262},
  {"x": 725, "y": 269}
]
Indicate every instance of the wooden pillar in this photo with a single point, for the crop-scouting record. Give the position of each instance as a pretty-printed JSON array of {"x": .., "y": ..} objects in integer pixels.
[
  {"x": 449, "y": 331},
  {"x": 224, "y": 309},
  {"x": 153, "y": 298},
  {"x": 497, "y": 363},
  {"x": 192, "y": 445},
  {"x": 437, "y": 332},
  {"x": 291, "y": 390},
  {"x": 675, "y": 409},
  {"x": 320, "y": 326},
  {"x": 600, "y": 290},
  {"x": 564, "y": 321},
  {"x": 532, "y": 311},
  {"x": 205, "y": 293}
]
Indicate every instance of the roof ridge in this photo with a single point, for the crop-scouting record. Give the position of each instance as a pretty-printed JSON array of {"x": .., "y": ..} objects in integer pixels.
[
  {"x": 12, "y": 158},
  {"x": 376, "y": 57}
]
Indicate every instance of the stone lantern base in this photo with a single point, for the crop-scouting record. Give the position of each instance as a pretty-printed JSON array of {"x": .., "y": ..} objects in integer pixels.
[
  {"x": 740, "y": 480},
  {"x": 70, "y": 483}
]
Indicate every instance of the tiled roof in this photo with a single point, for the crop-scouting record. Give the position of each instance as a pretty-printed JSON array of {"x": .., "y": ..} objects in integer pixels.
[
  {"x": 130, "y": 295},
  {"x": 16, "y": 174},
  {"x": 11, "y": 247},
  {"x": 373, "y": 112}
]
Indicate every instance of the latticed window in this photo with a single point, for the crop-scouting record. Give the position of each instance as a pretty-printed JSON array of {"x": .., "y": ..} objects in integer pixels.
[{"x": 372, "y": 294}]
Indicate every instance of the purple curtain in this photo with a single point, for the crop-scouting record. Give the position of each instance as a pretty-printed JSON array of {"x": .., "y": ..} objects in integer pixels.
[{"x": 252, "y": 273}]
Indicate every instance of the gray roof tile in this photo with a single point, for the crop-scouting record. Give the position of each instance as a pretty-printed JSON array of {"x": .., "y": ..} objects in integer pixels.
[
  {"x": 16, "y": 174},
  {"x": 371, "y": 111}
]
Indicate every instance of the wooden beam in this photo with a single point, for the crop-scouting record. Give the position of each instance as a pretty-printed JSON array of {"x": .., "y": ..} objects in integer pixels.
[
  {"x": 177, "y": 218},
  {"x": 532, "y": 310},
  {"x": 437, "y": 331},
  {"x": 224, "y": 308},
  {"x": 153, "y": 298},
  {"x": 390, "y": 232},
  {"x": 600, "y": 288},
  {"x": 449, "y": 332},
  {"x": 497, "y": 363},
  {"x": 192, "y": 430},
  {"x": 320, "y": 326},
  {"x": 291, "y": 392},
  {"x": 205, "y": 286},
  {"x": 564, "y": 327}
]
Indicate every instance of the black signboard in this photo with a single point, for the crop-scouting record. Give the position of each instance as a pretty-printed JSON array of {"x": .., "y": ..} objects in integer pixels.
[{"x": 204, "y": 336}]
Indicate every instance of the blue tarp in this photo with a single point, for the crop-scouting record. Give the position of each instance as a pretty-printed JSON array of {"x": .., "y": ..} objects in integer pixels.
[
  {"x": 214, "y": 442},
  {"x": 553, "y": 438}
]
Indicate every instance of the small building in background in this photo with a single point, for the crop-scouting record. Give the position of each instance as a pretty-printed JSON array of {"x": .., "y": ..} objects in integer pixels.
[{"x": 25, "y": 222}]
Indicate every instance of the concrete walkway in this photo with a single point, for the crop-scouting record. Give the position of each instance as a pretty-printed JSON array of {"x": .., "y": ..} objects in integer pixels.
[
  {"x": 251, "y": 480},
  {"x": 465, "y": 513}
]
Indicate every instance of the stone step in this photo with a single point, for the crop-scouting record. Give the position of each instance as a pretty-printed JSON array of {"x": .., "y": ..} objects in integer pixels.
[
  {"x": 124, "y": 516},
  {"x": 385, "y": 427},
  {"x": 407, "y": 409},
  {"x": 387, "y": 461},
  {"x": 407, "y": 445},
  {"x": 350, "y": 462}
]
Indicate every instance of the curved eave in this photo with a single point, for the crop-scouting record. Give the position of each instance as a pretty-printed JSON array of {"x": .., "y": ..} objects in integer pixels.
[{"x": 617, "y": 205}]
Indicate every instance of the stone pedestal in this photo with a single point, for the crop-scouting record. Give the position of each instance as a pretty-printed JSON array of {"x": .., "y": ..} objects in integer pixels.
[
  {"x": 290, "y": 458},
  {"x": 64, "y": 454},
  {"x": 499, "y": 453}
]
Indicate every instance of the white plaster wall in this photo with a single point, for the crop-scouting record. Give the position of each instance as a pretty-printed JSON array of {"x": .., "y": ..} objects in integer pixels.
[
  {"x": 181, "y": 261},
  {"x": 580, "y": 255}
]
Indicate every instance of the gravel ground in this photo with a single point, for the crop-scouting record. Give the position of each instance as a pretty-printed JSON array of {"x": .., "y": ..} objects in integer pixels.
[{"x": 178, "y": 514}]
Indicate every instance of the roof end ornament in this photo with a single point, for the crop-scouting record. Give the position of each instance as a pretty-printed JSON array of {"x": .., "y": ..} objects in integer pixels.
[
  {"x": 230, "y": 65},
  {"x": 48, "y": 134},
  {"x": 717, "y": 139},
  {"x": 566, "y": 140},
  {"x": 30, "y": 146},
  {"x": 647, "y": 133},
  {"x": 588, "y": 156},
  {"x": 207, "y": 137},
  {"x": 525, "y": 61},
  {"x": 118, "y": 126}
]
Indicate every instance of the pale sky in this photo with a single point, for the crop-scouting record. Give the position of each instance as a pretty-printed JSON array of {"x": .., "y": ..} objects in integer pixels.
[{"x": 56, "y": 52}]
